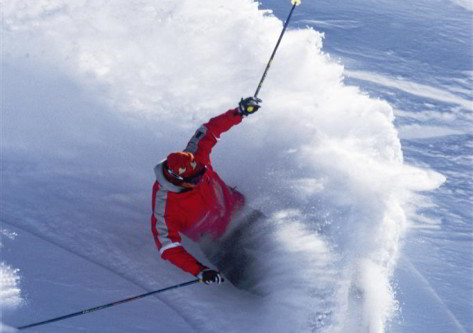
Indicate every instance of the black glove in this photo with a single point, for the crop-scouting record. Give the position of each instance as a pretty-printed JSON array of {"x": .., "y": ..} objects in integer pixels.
[
  {"x": 249, "y": 105},
  {"x": 209, "y": 276}
]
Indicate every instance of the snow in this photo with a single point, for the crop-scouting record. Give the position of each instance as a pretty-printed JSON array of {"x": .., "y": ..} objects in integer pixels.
[
  {"x": 425, "y": 91},
  {"x": 97, "y": 94},
  {"x": 9, "y": 286}
]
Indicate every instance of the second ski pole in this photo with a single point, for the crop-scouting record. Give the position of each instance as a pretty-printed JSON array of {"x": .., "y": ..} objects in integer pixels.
[{"x": 101, "y": 307}]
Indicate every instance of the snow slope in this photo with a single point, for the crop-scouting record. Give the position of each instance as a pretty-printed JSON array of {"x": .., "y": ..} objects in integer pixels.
[{"x": 98, "y": 93}]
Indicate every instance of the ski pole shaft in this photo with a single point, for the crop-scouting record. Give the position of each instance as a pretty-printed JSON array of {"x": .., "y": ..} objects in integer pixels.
[
  {"x": 101, "y": 307},
  {"x": 294, "y": 4}
]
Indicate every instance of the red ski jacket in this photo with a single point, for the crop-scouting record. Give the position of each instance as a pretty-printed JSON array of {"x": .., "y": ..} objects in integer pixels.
[{"x": 204, "y": 210}]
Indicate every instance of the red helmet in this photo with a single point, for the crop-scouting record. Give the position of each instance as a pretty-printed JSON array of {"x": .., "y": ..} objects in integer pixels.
[{"x": 183, "y": 167}]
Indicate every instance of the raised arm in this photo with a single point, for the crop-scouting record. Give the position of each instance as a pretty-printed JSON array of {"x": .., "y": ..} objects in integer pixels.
[{"x": 206, "y": 137}]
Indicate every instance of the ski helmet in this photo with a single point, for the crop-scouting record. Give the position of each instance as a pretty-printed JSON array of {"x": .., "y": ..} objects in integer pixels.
[{"x": 183, "y": 166}]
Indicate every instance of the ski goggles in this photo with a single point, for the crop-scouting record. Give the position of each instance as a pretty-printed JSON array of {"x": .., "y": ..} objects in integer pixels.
[{"x": 194, "y": 180}]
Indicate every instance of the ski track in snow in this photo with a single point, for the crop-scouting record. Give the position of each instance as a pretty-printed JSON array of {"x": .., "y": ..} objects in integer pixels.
[
  {"x": 101, "y": 265},
  {"x": 432, "y": 291}
]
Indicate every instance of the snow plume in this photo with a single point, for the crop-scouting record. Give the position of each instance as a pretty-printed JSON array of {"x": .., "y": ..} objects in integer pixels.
[
  {"x": 321, "y": 160},
  {"x": 10, "y": 292},
  {"x": 10, "y": 297}
]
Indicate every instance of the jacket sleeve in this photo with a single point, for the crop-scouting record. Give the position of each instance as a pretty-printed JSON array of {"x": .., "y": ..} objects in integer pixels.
[
  {"x": 167, "y": 238},
  {"x": 208, "y": 134},
  {"x": 170, "y": 248}
]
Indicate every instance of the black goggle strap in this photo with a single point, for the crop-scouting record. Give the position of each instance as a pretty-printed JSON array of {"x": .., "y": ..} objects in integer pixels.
[{"x": 196, "y": 178}]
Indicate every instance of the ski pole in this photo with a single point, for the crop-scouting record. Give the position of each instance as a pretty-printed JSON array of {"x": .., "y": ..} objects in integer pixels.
[
  {"x": 294, "y": 4},
  {"x": 101, "y": 307}
]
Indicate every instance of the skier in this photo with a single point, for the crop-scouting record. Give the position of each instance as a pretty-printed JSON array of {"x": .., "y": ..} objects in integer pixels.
[{"x": 190, "y": 198}]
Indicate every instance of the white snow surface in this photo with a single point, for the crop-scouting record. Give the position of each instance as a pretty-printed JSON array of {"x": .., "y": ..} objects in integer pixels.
[{"x": 95, "y": 93}]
